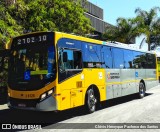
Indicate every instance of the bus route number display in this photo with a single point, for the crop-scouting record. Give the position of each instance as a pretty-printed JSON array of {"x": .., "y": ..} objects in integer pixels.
[{"x": 35, "y": 39}]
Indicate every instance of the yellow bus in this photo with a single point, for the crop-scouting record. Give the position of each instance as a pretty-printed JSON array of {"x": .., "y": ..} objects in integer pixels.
[{"x": 54, "y": 71}]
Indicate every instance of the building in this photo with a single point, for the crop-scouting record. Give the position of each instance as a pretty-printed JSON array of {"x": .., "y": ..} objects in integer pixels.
[{"x": 95, "y": 14}]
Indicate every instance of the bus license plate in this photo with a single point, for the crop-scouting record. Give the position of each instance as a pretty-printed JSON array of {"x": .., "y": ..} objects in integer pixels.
[{"x": 22, "y": 105}]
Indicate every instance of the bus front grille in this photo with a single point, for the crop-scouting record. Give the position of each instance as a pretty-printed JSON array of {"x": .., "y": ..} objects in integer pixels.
[{"x": 23, "y": 102}]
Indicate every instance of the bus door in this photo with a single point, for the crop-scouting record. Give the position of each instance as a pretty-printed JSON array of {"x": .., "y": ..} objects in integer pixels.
[
  {"x": 71, "y": 78},
  {"x": 139, "y": 63},
  {"x": 107, "y": 63},
  {"x": 117, "y": 72},
  {"x": 128, "y": 74}
]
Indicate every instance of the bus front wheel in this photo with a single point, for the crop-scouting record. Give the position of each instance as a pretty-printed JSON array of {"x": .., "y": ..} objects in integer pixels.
[
  {"x": 90, "y": 101},
  {"x": 141, "y": 90}
]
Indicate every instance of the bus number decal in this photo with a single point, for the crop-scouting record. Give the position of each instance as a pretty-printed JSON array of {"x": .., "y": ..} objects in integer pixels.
[
  {"x": 42, "y": 38},
  {"x": 24, "y": 41},
  {"x": 29, "y": 40},
  {"x": 32, "y": 39},
  {"x": 19, "y": 41},
  {"x": 30, "y": 95}
]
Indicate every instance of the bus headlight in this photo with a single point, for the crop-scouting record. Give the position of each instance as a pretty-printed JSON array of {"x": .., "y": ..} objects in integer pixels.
[
  {"x": 50, "y": 91},
  {"x": 46, "y": 94},
  {"x": 43, "y": 96}
]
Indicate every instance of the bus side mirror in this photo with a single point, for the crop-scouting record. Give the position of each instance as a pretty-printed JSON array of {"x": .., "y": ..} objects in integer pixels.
[{"x": 65, "y": 57}]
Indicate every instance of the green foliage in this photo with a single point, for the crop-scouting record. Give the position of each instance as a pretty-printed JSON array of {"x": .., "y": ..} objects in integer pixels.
[
  {"x": 47, "y": 15},
  {"x": 8, "y": 26},
  {"x": 125, "y": 31},
  {"x": 148, "y": 22}
]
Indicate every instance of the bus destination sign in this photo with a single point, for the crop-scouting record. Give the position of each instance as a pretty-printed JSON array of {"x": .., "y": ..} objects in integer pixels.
[{"x": 32, "y": 39}]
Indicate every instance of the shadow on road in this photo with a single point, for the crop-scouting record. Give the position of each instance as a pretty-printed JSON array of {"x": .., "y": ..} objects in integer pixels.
[
  {"x": 50, "y": 118},
  {"x": 45, "y": 119}
]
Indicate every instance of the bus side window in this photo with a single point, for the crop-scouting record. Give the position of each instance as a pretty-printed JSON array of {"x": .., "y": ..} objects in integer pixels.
[
  {"x": 73, "y": 59},
  {"x": 128, "y": 59},
  {"x": 139, "y": 60},
  {"x": 151, "y": 63},
  {"x": 65, "y": 59},
  {"x": 77, "y": 60},
  {"x": 107, "y": 57},
  {"x": 118, "y": 58},
  {"x": 70, "y": 63}
]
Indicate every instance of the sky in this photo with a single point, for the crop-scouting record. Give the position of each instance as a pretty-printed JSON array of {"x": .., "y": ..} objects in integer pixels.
[{"x": 113, "y": 9}]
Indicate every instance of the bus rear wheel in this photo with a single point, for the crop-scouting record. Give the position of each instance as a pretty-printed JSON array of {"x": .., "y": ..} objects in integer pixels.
[
  {"x": 91, "y": 101},
  {"x": 141, "y": 90}
]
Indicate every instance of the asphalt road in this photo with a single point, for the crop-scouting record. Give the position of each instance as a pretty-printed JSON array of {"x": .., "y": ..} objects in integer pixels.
[{"x": 129, "y": 109}]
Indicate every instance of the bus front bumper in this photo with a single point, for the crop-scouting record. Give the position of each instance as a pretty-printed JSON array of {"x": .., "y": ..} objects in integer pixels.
[{"x": 48, "y": 104}]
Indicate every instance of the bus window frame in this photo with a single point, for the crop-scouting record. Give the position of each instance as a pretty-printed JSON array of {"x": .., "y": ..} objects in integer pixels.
[{"x": 68, "y": 73}]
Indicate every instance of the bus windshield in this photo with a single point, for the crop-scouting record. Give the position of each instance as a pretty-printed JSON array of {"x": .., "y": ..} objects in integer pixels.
[{"x": 32, "y": 66}]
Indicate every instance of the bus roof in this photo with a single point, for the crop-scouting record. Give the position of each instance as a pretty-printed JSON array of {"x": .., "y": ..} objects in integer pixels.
[
  {"x": 90, "y": 40},
  {"x": 109, "y": 43}
]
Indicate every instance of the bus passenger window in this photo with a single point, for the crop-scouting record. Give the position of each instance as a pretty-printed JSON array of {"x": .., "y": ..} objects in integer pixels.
[
  {"x": 70, "y": 63},
  {"x": 68, "y": 60},
  {"x": 107, "y": 58},
  {"x": 65, "y": 60},
  {"x": 72, "y": 60},
  {"x": 77, "y": 60},
  {"x": 128, "y": 59},
  {"x": 118, "y": 58},
  {"x": 139, "y": 60}
]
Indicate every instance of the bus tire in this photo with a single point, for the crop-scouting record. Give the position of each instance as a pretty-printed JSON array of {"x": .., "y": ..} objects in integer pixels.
[
  {"x": 141, "y": 90},
  {"x": 91, "y": 101}
]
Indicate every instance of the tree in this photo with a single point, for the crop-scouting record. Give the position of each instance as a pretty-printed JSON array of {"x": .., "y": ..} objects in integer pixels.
[
  {"x": 148, "y": 22},
  {"x": 47, "y": 15},
  {"x": 10, "y": 2},
  {"x": 125, "y": 31},
  {"x": 8, "y": 26}
]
